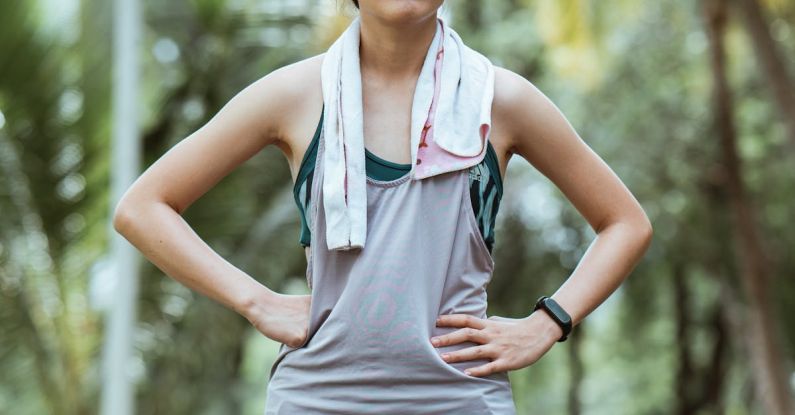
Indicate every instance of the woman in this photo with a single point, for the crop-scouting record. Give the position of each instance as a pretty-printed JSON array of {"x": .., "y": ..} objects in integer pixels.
[{"x": 367, "y": 339}]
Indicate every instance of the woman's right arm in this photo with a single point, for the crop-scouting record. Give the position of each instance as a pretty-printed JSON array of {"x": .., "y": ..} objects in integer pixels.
[{"x": 149, "y": 214}]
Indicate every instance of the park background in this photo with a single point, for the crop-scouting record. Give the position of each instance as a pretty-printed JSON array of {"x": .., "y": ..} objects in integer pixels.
[{"x": 691, "y": 102}]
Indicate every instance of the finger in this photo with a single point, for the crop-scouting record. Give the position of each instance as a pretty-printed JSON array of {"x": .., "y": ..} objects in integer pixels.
[
  {"x": 470, "y": 353},
  {"x": 459, "y": 336},
  {"x": 460, "y": 320},
  {"x": 487, "y": 369}
]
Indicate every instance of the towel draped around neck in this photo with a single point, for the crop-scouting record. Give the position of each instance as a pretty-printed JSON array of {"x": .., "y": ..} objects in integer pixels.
[{"x": 450, "y": 123}]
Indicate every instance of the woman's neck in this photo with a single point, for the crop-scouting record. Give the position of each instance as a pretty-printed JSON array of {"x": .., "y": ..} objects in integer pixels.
[{"x": 394, "y": 53}]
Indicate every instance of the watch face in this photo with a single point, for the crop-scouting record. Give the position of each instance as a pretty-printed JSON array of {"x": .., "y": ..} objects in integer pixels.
[{"x": 554, "y": 307}]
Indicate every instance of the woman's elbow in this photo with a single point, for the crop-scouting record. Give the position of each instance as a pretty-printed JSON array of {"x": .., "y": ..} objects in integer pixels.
[
  {"x": 135, "y": 209},
  {"x": 123, "y": 215},
  {"x": 644, "y": 230},
  {"x": 130, "y": 209}
]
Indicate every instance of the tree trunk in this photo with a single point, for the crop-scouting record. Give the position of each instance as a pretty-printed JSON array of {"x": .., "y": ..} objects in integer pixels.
[
  {"x": 576, "y": 371},
  {"x": 699, "y": 385},
  {"x": 771, "y": 62},
  {"x": 767, "y": 364},
  {"x": 685, "y": 376}
]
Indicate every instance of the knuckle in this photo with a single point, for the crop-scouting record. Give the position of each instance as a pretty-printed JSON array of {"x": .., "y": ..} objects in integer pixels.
[
  {"x": 501, "y": 365},
  {"x": 494, "y": 350}
]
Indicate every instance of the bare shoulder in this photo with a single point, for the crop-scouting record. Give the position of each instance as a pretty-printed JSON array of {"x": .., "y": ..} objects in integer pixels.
[
  {"x": 532, "y": 123},
  {"x": 515, "y": 99},
  {"x": 296, "y": 105},
  {"x": 290, "y": 90},
  {"x": 511, "y": 91}
]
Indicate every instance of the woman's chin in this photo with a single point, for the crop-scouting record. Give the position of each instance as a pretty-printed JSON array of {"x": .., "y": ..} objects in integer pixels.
[{"x": 402, "y": 12}]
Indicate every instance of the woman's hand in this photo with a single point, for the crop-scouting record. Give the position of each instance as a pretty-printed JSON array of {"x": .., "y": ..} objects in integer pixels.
[
  {"x": 283, "y": 318},
  {"x": 509, "y": 343}
]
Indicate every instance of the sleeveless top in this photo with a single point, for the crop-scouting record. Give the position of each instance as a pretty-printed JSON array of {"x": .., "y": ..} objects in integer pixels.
[
  {"x": 485, "y": 184},
  {"x": 373, "y": 310}
]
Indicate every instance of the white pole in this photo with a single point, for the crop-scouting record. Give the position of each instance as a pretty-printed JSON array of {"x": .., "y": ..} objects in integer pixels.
[{"x": 118, "y": 397}]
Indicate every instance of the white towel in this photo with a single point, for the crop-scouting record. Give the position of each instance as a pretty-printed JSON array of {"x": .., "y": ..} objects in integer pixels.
[{"x": 461, "y": 123}]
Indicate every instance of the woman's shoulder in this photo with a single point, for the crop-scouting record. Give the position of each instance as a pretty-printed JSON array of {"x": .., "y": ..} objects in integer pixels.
[
  {"x": 299, "y": 75},
  {"x": 511, "y": 92},
  {"x": 520, "y": 110},
  {"x": 296, "y": 101},
  {"x": 293, "y": 86}
]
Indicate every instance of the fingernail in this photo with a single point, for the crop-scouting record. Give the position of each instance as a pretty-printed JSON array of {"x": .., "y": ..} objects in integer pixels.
[
  {"x": 435, "y": 341},
  {"x": 445, "y": 356},
  {"x": 468, "y": 372}
]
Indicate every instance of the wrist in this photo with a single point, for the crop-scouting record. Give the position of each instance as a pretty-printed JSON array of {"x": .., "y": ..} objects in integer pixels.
[
  {"x": 549, "y": 327},
  {"x": 255, "y": 302}
]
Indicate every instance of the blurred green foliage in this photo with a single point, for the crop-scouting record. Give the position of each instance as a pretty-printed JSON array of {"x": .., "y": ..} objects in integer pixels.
[{"x": 632, "y": 77}]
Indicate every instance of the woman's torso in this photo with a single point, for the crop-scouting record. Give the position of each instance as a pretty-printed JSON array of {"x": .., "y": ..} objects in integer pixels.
[
  {"x": 300, "y": 125},
  {"x": 484, "y": 180},
  {"x": 372, "y": 311}
]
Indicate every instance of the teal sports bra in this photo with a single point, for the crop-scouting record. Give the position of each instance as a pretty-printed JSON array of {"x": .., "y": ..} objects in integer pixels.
[{"x": 485, "y": 184}]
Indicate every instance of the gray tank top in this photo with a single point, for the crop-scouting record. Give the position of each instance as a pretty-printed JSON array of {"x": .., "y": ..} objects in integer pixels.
[{"x": 373, "y": 311}]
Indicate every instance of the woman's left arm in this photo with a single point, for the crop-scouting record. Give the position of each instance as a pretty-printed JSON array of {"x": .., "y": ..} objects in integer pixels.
[{"x": 540, "y": 133}]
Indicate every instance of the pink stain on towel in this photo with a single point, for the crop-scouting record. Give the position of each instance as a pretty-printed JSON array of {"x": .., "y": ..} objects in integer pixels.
[{"x": 431, "y": 158}]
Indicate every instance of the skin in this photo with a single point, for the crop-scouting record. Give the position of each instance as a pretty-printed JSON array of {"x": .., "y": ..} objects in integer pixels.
[{"x": 283, "y": 107}]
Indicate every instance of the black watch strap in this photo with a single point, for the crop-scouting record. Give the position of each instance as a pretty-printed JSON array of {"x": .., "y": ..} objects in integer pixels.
[{"x": 557, "y": 313}]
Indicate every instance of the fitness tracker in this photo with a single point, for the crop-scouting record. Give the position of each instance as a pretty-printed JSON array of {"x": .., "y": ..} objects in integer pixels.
[{"x": 557, "y": 313}]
